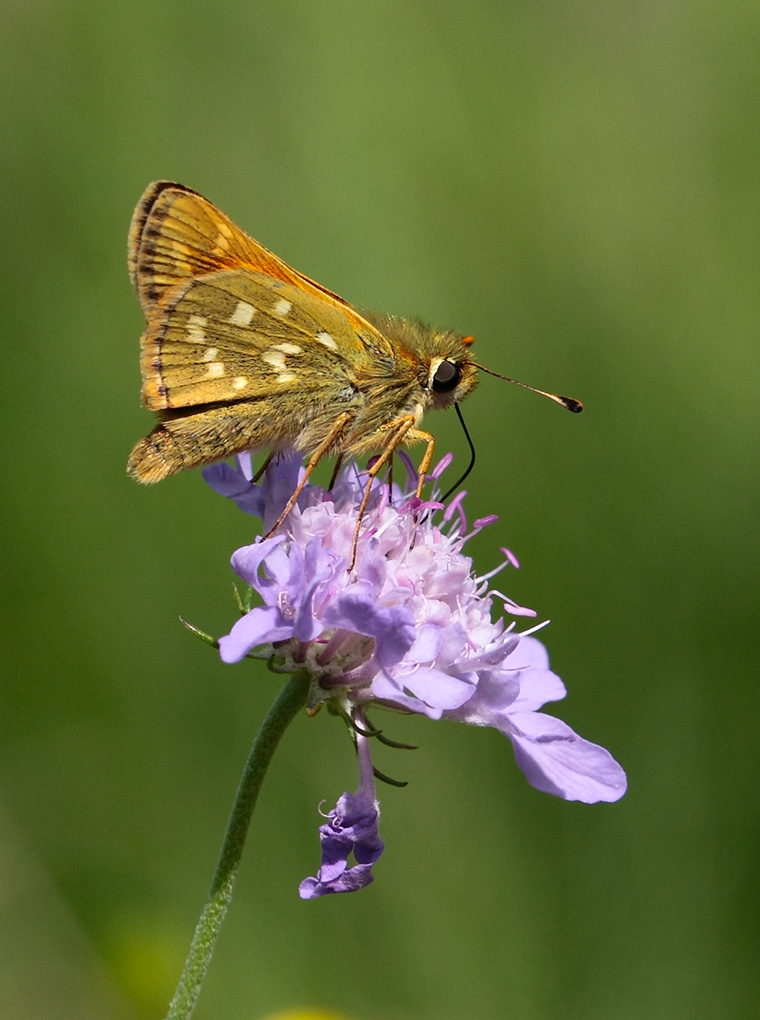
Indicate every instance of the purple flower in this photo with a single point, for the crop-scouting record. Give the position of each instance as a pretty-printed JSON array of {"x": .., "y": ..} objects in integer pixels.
[
  {"x": 351, "y": 828},
  {"x": 409, "y": 627}
]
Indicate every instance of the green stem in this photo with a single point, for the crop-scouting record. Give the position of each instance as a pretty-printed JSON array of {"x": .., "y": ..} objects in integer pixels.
[{"x": 290, "y": 700}]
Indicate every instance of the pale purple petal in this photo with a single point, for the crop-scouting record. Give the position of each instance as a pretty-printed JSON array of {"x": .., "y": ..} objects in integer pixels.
[
  {"x": 438, "y": 689},
  {"x": 427, "y": 643},
  {"x": 393, "y": 628},
  {"x": 538, "y": 685},
  {"x": 387, "y": 691},
  {"x": 491, "y": 701},
  {"x": 556, "y": 760},
  {"x": 262, "y": 625},
  {"x": 231, "y": 482},
  {"x": 247, "y": 561},
  {"x": 318, "y": 567}
]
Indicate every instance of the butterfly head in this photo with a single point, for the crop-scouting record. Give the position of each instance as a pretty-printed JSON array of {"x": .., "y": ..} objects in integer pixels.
[
  {"x": 451, "y": 374},
  {"x": 440, "y": 360},
  {"x": 446, "y": 370}
]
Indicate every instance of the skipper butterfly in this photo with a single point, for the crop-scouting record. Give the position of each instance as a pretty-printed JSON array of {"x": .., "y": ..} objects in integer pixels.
[{"x": 241, "y": 352}]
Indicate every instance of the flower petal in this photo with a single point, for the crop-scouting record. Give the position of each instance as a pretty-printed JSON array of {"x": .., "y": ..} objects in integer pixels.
[
  {"x": 261, "y": 626},
  {"x": 491, "y": 701},
  {"x": 247, "y": 560},
  {"x": 358, "y": 611},
  {"x": 538, "y": 684},
  {"x": 556, "y": 760},
  {"x": 232, "y": 483},
  {"x": 438, "y": 689}
]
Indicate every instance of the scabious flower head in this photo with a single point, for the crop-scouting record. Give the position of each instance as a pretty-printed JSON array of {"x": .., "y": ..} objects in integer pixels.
[{"x": 409, "y": 626}]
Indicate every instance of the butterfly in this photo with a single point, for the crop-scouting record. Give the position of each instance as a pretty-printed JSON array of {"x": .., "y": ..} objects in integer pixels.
[{"x": 242, "y": 352}]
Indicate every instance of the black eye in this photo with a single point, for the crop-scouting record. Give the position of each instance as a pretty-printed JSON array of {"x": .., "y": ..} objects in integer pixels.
[{"x": 446, "y": 377}]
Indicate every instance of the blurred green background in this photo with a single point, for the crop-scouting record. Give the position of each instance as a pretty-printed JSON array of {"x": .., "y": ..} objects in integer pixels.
[{"x": 578, "y": 185}]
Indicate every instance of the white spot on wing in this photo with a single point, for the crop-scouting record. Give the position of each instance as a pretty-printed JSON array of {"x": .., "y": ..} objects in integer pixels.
[
  {"x": 274, "y": 358},
  {"x": 327, "y": 341},
  {"x": 239, "y": 382},
  {"x": 287, "y": 348},
  {"x": 243, "y": 314},
  {"x": 195, "y": 325},
  {"x": 282, "y": 307},
  {"x": 215, "y": 370},
  {"x": 210, "y": 354},
  {"x": 285, "y": 377}
]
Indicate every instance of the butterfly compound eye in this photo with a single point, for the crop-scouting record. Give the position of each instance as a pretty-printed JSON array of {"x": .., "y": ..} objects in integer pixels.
[{"x": 446, "y": 377}]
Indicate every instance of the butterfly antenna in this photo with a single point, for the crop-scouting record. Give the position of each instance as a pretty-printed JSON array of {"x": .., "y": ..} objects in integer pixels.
[
  {"x": 471, "y": 465},
  {"x": 569, "y": 402}
]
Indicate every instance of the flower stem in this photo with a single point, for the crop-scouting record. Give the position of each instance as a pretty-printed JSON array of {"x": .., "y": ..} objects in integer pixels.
[{"x": 291, "y": 698}]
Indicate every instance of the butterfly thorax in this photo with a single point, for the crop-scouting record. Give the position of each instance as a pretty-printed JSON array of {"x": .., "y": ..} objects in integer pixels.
[{"x": 430, "y": 369}]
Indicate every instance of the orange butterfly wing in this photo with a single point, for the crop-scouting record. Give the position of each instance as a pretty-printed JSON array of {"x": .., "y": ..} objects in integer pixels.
[{"x": 176, "y": 233}]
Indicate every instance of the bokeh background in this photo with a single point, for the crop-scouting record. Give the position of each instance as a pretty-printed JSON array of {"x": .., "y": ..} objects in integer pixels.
[{"x": 577, "y": 184}]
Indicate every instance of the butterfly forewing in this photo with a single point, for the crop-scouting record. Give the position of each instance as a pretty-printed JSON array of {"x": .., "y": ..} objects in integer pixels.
[
  {"x": 177, "y": 233},
  {"x": 235, "y": 335}
]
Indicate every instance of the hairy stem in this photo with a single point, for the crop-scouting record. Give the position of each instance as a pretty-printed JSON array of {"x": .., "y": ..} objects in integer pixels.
[{"x": 290, "y": 700}]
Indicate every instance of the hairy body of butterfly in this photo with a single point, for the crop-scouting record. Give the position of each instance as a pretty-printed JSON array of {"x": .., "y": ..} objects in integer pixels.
[{"x": 241, "y": 352}]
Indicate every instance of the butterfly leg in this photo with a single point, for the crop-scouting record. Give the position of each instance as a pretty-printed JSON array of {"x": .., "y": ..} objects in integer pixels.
[
  {"x": 417, "y": 435},
  {"x": 263, "y": 468},
  {"x": 400, "y": 430},
  {"x": 336, "y": 469},
  {"x": 330, "y": 439}
]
